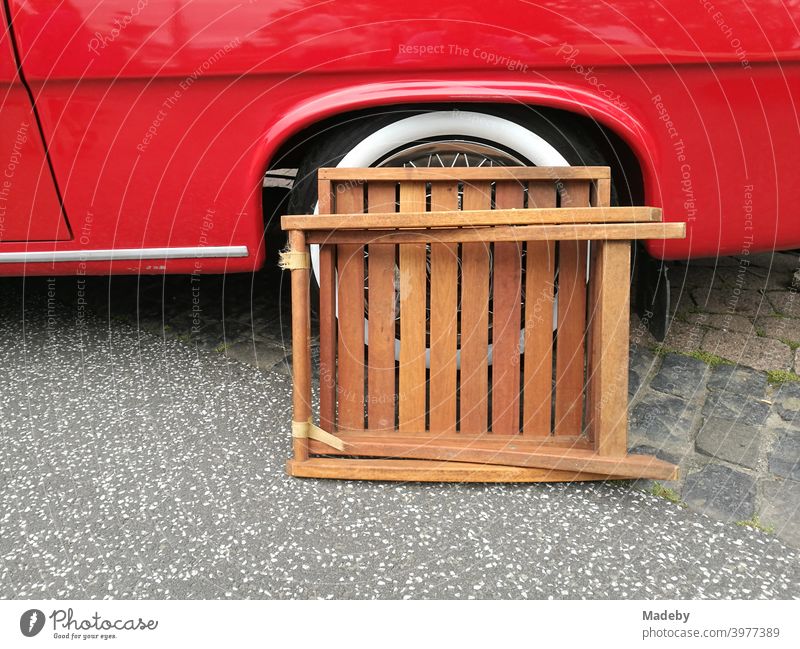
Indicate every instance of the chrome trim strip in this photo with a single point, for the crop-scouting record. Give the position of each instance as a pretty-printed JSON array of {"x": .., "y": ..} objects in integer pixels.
[{"x": 122, "y": 254}]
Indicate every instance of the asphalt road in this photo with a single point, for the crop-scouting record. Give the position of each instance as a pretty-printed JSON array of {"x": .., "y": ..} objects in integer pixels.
[{"x": 138, "y": 466}]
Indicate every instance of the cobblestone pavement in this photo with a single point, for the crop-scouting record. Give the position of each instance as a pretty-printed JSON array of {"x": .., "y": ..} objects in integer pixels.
[
  {"x": 744, "y": 311},
  {"x": 719, "y": 397}
]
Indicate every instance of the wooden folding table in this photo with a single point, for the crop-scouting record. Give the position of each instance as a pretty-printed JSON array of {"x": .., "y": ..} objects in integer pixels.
[{"x": 473, "y": 325}]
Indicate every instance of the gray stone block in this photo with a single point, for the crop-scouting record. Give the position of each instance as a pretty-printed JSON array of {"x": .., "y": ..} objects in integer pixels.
[
  {"x": 784, "y": 459},
  {"x": 684, "y": 337},
  {"x": 726, "y": 321},
  {"x": 661, "y": 418},
  {"x": 721, "y": 492},
  {"x": 682, "y": 376},
  {"x": 785, "y": 302},
  {"x": 779, "y": 328},
  {"x": 741, "y": 407},
  {"x": 787, "y": 401},
  {"x": 780, "y": 509},
  {"x": 723, "y": 300},
  {"x": 634, "y": 383},
  {"x": 738, "y": 379},
  {"x": 729, "y": 440},
  {"x": 776, "y": 262},
  {"x": 748, "y": 349},
  {"x": 641, "y": 360}
]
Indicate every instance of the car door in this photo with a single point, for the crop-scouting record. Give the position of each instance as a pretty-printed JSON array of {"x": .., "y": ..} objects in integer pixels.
[{"x": 30, "y": 209}]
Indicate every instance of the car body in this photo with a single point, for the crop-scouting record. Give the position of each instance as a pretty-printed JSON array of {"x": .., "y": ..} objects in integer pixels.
[{"x": 150, "y": 124}]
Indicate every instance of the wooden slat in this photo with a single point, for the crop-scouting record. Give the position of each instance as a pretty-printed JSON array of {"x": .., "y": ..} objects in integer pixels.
[
  {"x": 443, "y": 218},
  {"x": 381, "y": 347},
  {"x": 579, "y": 232},
  {"x": 327, "y": 336},
  {"x": 301, "y": 344},
  {"x": 600, "y": 196},
  {"x": 327, "y": 319},
  {"x": 482, "y": 440},
  {"x": 609, "y": 330},
  {"x": 486, "y": 441},
  {"x": 474, "y": 373},
  {"x": 324, "y": 198},
  {"x": 507, "y": 318},
  {"x": 570, "y": 338},
  {"x": 413, "y": 294},
  {"x": 537, "y": 389},
  {"x": 350, "y": 354},
  {"x": 464, "y": 173},
  {"x": 444, "y": 318},
  {"x": 427, "y": 471},
  {"x": 513, "y": 453}
]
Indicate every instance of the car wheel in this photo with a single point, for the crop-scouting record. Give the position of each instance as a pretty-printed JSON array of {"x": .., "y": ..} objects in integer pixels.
[{"x": 442, "y": 138}]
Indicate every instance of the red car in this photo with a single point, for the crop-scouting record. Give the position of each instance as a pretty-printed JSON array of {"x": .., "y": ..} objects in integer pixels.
[{"x": 135, "y": 135}]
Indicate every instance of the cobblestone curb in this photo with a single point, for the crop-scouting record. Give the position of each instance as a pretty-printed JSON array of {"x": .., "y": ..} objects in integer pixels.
[{"x": 735, "y": 437}]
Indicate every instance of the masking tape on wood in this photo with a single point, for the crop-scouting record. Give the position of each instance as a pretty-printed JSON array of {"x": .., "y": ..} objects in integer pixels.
[
  {"x": 307, "y": 430},
  {"x": 294, "y": 260}
]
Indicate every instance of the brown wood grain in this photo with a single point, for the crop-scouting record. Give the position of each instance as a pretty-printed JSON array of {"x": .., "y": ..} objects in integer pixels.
[
  {"x": 327, "y": 318},
  {"x": 578, "y": 232},
  {"x": 444, "y": 318},
  {"x": 512, "y": 453},
  {"x": 324, "y": 198},
  {"x": 463, "y": 173},
  {"x": 600, "y": 196},
  {"x": 609, "y": 330},
  {"x": 327, "y": 336},
  {"x": 381, "y": 330},
  {"x": 507, "y": 319},
  {"x": 413, "y": 294},
  {"x": 570, "y": 333},
  {"x": 481, "y": 439},
  {"x": 537, "y": 388},
  {"x": 428, "y": 471},
  {"x": 350, "y": 349},
  {"x": 474, "y": 372},
  {"x": 534, "y": 215},
  {"x": 301, "y": 344}
]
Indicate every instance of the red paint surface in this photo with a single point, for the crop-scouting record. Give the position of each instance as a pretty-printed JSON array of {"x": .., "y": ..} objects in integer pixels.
[
  {"x": 29, "y": 206},
  {"x": 249, "y": 75}
]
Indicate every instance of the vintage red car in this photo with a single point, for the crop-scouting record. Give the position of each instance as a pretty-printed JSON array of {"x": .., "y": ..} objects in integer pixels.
[{"x": 135, "y": 134}]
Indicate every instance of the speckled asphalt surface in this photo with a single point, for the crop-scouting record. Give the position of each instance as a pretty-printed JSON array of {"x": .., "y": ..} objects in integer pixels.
[{"x": 135, "y": 466}]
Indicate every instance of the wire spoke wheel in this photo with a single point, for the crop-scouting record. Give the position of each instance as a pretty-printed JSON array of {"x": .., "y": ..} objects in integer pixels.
[
  {"x": 444, "y": 138},
  {"x": 451, "y": 153},
  {"x": 443, "y": 153}
]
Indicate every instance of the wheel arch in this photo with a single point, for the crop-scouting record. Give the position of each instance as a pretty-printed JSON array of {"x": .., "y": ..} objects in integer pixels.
[{"x": 614, "y": 129}]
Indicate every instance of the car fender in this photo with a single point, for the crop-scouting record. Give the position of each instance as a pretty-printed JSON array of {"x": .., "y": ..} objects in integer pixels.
[{"x": 570, "y": 98}]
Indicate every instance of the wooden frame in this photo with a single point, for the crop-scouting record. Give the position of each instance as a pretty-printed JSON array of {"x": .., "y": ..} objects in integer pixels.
[{"x": 461, "y": 264}]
